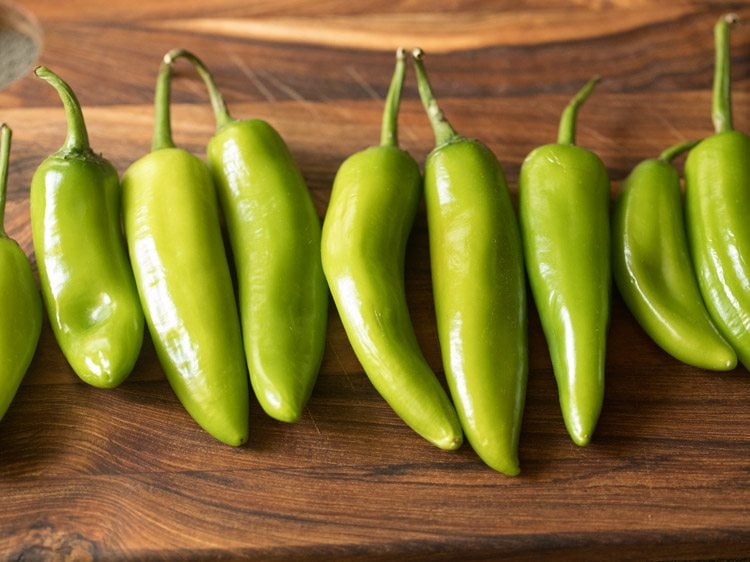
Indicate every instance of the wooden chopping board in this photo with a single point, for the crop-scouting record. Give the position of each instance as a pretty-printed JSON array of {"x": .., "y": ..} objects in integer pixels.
[{"x": 126, "y": 474}]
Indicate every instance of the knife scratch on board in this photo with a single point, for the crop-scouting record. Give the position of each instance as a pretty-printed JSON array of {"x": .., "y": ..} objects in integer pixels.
[
  {"x": 253, "y": 77},
  {"x": 362, "y": 83},
  {"x": 312, "y": 419},
  {"x": 347, "y": 375},
  {"x": 292, "y": 93}
]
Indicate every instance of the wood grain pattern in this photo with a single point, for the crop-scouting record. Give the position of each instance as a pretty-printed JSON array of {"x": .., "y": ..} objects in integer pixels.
[
  {"x": 467, "y": 30},
  {"x": 125, "y": 474}
]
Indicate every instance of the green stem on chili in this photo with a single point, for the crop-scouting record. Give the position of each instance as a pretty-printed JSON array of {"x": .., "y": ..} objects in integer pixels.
[
  {"x": 219, "y": 106},
  {"x": 162, "y": 123},
  {"x": 77, "y": 139},
  {"x": 5, "y": 134},
  {"x": 444, "y": 133},
  {"x": 389, "y": 129},
  {"x": 20, "y": 301},
  {"x": 721, "y": 110},
  {"x": 717, "y": 173},
  {"x": 674, "y": 151},
  {"x": 84, "y": 273},
  {"x": 282, "y": 294},
  {"x": 373, "y": 203},
  {"x": 567, "y": 131}
]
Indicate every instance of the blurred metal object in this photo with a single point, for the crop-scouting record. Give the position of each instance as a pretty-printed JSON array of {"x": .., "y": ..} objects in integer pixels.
[{"x": 20, "y": 42}]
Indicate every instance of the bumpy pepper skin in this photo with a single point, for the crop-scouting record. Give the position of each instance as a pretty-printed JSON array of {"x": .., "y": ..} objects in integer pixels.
[
  {"x": 20, "y": 303},
  {"x": 86, "y": 279},
  {"x": 717, "y": 210},
  {"x": 479, "y": 288},
  {"x": 274, "y": 231},
  {"x": 171, "y": 217},
  {"x": 654, "y": 274},
  {"x": 370, "y": 214},
  {"x": 564, "y": 196}
]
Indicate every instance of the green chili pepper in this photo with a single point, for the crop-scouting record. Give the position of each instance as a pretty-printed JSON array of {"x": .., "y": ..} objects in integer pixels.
[
  {"x": 652, "y": 267},
  {"x": 174, "y": 237},
  {"x": 371, "y": 212},
  {"x": 478, "y": 286},
  {"x": 564, "y": 196},
  {"x": 717, "y": 206},
  {"x": 20, "y": 303},
  {"x": 86, "y": 280},
  {"x": 274, "y": 232}
]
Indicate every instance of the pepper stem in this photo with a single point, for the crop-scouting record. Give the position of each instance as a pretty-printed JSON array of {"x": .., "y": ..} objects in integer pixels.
[
  {"x": 444, "y": 133},
  {"x": 221, "y": 113},
  {"x": 389, "y": 129},
  {"x": 77, "y": 139},
  {"x": 567, "y": 132},
  {"x": 721, "y": 110},
  {"x": 5, "y": 134},
  {"x": 162, "y": 125},
  {"x": 674, "y": 151}
]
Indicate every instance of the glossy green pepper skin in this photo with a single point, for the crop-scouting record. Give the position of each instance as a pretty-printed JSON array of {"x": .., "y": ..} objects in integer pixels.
[
  {"x": 172, "y": 226},
  {"x": 564, "y": 196},
  {"x": 479, "y": 287},
  {"x": 274, "y": 231},
  {"x": 20, "y": 303},
  {"x": 717, "y": 206},
  {"x": 370, "y": 214},
  {"x": 87, "y": 283},
  {"x": 652, "y": 267}
]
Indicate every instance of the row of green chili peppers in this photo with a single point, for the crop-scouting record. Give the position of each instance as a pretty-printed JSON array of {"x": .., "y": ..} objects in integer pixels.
[{"x": 686, "y": 280}]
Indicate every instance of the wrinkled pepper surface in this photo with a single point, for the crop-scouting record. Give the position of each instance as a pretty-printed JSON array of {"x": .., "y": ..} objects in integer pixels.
[{"x": 87, "y": 283}]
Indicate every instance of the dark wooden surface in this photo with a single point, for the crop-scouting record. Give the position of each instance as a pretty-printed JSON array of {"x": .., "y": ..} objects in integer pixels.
[{"x": 125, "y": 473}]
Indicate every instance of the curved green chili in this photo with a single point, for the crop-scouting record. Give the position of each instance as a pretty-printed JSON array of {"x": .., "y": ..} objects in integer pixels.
[
  {"x": 717, "y": 206},
  {"x": 371, "y": 211},
  {"x": 172, "y": 226},
  {"x": 86, "y": 280},
  {"x": 652, "y": 267},
  {"x": 274, "y": 231},
  {"x": 20, "y": 303},
  {"x": 478, "y": 286},
  {"x": 564, "y": 196}
]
